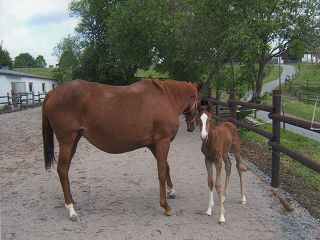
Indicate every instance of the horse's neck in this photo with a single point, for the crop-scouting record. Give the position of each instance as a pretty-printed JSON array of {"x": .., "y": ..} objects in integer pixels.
[
  {"x": 180, "y": 102},
  {"x": 211, "y": 133},
  {"x": 179, "y": 93}
]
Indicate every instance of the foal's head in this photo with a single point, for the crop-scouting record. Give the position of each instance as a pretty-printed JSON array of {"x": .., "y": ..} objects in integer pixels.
[
  {"x": 191, "y": 110},
  {"x": 205, "y": 120}
]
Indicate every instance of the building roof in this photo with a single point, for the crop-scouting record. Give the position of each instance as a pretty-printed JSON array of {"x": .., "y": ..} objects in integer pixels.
[{"x": 22, "y": 74}]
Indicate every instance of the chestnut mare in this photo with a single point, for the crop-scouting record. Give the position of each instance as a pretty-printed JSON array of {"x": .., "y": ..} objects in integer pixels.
[
  {"x": 116, "y": 119},
  {"x": 217, "y": 142}
]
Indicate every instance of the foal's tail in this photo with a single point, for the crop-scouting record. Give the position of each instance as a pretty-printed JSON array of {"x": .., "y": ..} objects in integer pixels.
[{"x": 47, "y": 135}]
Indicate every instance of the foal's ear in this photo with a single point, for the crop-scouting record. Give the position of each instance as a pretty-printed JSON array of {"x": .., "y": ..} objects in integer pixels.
[
  {"x": 209, "y": 107},
  {"x": 202, "y": 108}
]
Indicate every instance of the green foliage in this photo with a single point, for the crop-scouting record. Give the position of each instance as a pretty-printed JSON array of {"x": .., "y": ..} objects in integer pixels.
[
  {"x": 24, "y": 60},
  {"x": 5, "y": 59},
  {"x": 296, "y": 50},
  {"x": 40, "y": 61},
  {"x": 188, "y": 40}
]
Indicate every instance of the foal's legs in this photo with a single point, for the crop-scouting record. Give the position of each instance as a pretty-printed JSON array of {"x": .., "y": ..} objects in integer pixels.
[
  {"x": 240, "y": 169},
  {"x": 218, "y": 185},
  {"x": 227, "y": 164},
  {"x": 67, "y": 149},
  {"x": 210, "y": 184},
  {"x": 160, "y": 151}
]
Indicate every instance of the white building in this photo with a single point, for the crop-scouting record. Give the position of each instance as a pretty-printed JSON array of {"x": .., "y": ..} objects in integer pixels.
[
  {"x": 13, "y": 82},
  {"x": 311, "y": 58}
]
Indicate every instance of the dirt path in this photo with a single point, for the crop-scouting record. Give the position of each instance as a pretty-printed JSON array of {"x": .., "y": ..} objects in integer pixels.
[{"x": 117, "y": 195}]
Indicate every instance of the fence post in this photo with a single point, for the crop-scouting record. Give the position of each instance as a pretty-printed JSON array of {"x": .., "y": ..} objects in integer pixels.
[
  {"x": 32, "y": 98},
  {"x": 233, "y": 106},
  {"x": 19, "y": 101},
  {"x": 27, "y": 99},
  {"x": 9, "y": 105},
  {"x": 218, "y": 95},
  {"x": 276, "y": 104}
]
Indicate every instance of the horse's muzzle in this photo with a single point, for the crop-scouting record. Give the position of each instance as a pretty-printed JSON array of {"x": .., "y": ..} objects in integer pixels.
[{"x": 190, "y": 128}]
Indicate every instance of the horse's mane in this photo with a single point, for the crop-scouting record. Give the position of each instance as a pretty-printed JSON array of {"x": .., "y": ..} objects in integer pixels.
[{"x": 173, "y": 87}]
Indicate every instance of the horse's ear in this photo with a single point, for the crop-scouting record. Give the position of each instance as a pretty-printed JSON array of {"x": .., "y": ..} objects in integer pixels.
[{"x": 198, "y": 86}]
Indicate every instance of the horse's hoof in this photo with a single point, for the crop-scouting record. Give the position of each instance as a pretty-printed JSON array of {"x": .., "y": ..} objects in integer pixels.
[
  {"x": 169, "y": 211},
  {"x": 243, "y": 200},
  {"x": 222, "y": 220},
  {"x": 75, "y": 218},
  {"x": 208, "y": 214},
  {"x": 171, "y": 196}
]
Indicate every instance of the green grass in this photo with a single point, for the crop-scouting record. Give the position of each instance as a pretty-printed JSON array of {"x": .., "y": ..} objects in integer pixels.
[
  {"x": 272, "y": 73},
  {"x": 292, "y": 106},
  {"x": 298, "y": 143},
  {"x": 309, "y": 77},
  {"x": 46, "y": 72}
]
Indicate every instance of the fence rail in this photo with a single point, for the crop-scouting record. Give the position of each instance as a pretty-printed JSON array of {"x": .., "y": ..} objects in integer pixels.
[
  {"x": 295, "y": 88},
  {"x": 17, "y": 102},
  {"x": 274, "y": 137}
]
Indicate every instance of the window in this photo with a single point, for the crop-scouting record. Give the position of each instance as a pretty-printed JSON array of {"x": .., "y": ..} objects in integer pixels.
[
  {"x": 30, "y": 87},
  {"x": 43, "y": 87}
]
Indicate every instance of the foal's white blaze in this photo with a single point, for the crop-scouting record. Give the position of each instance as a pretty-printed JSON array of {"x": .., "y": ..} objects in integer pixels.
[
  {"x": 211, "y": 203},
  {"x": 204, "y": 132},
  {"x": 72, "y": 213}
]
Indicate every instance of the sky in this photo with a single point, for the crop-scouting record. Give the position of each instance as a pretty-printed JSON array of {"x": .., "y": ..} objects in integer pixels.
[{"x": 34, "y": 26}]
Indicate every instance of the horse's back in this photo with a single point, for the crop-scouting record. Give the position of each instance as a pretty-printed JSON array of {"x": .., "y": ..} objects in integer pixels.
[{"x": 113, "y": 118}]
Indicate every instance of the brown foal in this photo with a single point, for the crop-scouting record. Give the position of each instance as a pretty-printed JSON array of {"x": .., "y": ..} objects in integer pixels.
[{"x": 217, "y": 142}]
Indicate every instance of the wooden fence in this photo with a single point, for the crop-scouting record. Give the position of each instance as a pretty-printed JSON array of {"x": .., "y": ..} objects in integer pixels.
[
  {"x": 23, "y": 100},
  {"x": 274, "y": 137}
]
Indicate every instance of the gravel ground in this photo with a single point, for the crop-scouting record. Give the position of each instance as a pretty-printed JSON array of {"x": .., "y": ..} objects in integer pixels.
[{"x": 117, "y": 195}]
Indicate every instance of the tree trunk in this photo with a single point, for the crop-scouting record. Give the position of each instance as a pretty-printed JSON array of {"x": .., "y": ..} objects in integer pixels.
[
  {"x": 233, "y": 75},
  {"x": 256, "y": 97},
  {"x": 208, "y": 85}
]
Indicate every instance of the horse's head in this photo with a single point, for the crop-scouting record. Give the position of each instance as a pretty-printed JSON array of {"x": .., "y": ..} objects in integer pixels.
[
  {"x": 191, "y": 110},
  {"x": 205, "y": 120}
]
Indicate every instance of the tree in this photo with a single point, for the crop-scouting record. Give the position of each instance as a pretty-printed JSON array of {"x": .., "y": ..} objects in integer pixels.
[
  {"x": 24, "y": 60},
  {"x": 68, "y": 53},
  {"x": 5, "y": 59},
  {"x": 40, "y": 61},
  {"x": 96, "y": 61},
  {"x": 270, "y": 27}
]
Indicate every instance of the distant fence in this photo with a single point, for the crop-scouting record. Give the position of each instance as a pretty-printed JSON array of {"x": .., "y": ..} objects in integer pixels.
[
  {"x": 20, "y": 101},
  {"x": 295, "y": 89},
  {"x": 274, "y": 137}
]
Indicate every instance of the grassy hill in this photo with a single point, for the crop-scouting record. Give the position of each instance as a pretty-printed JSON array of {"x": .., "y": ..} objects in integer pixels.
[{"x": 46, "y": 72}]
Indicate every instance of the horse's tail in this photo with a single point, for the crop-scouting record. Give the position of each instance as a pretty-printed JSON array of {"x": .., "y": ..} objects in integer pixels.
[{"x": 47, "y": 135}]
